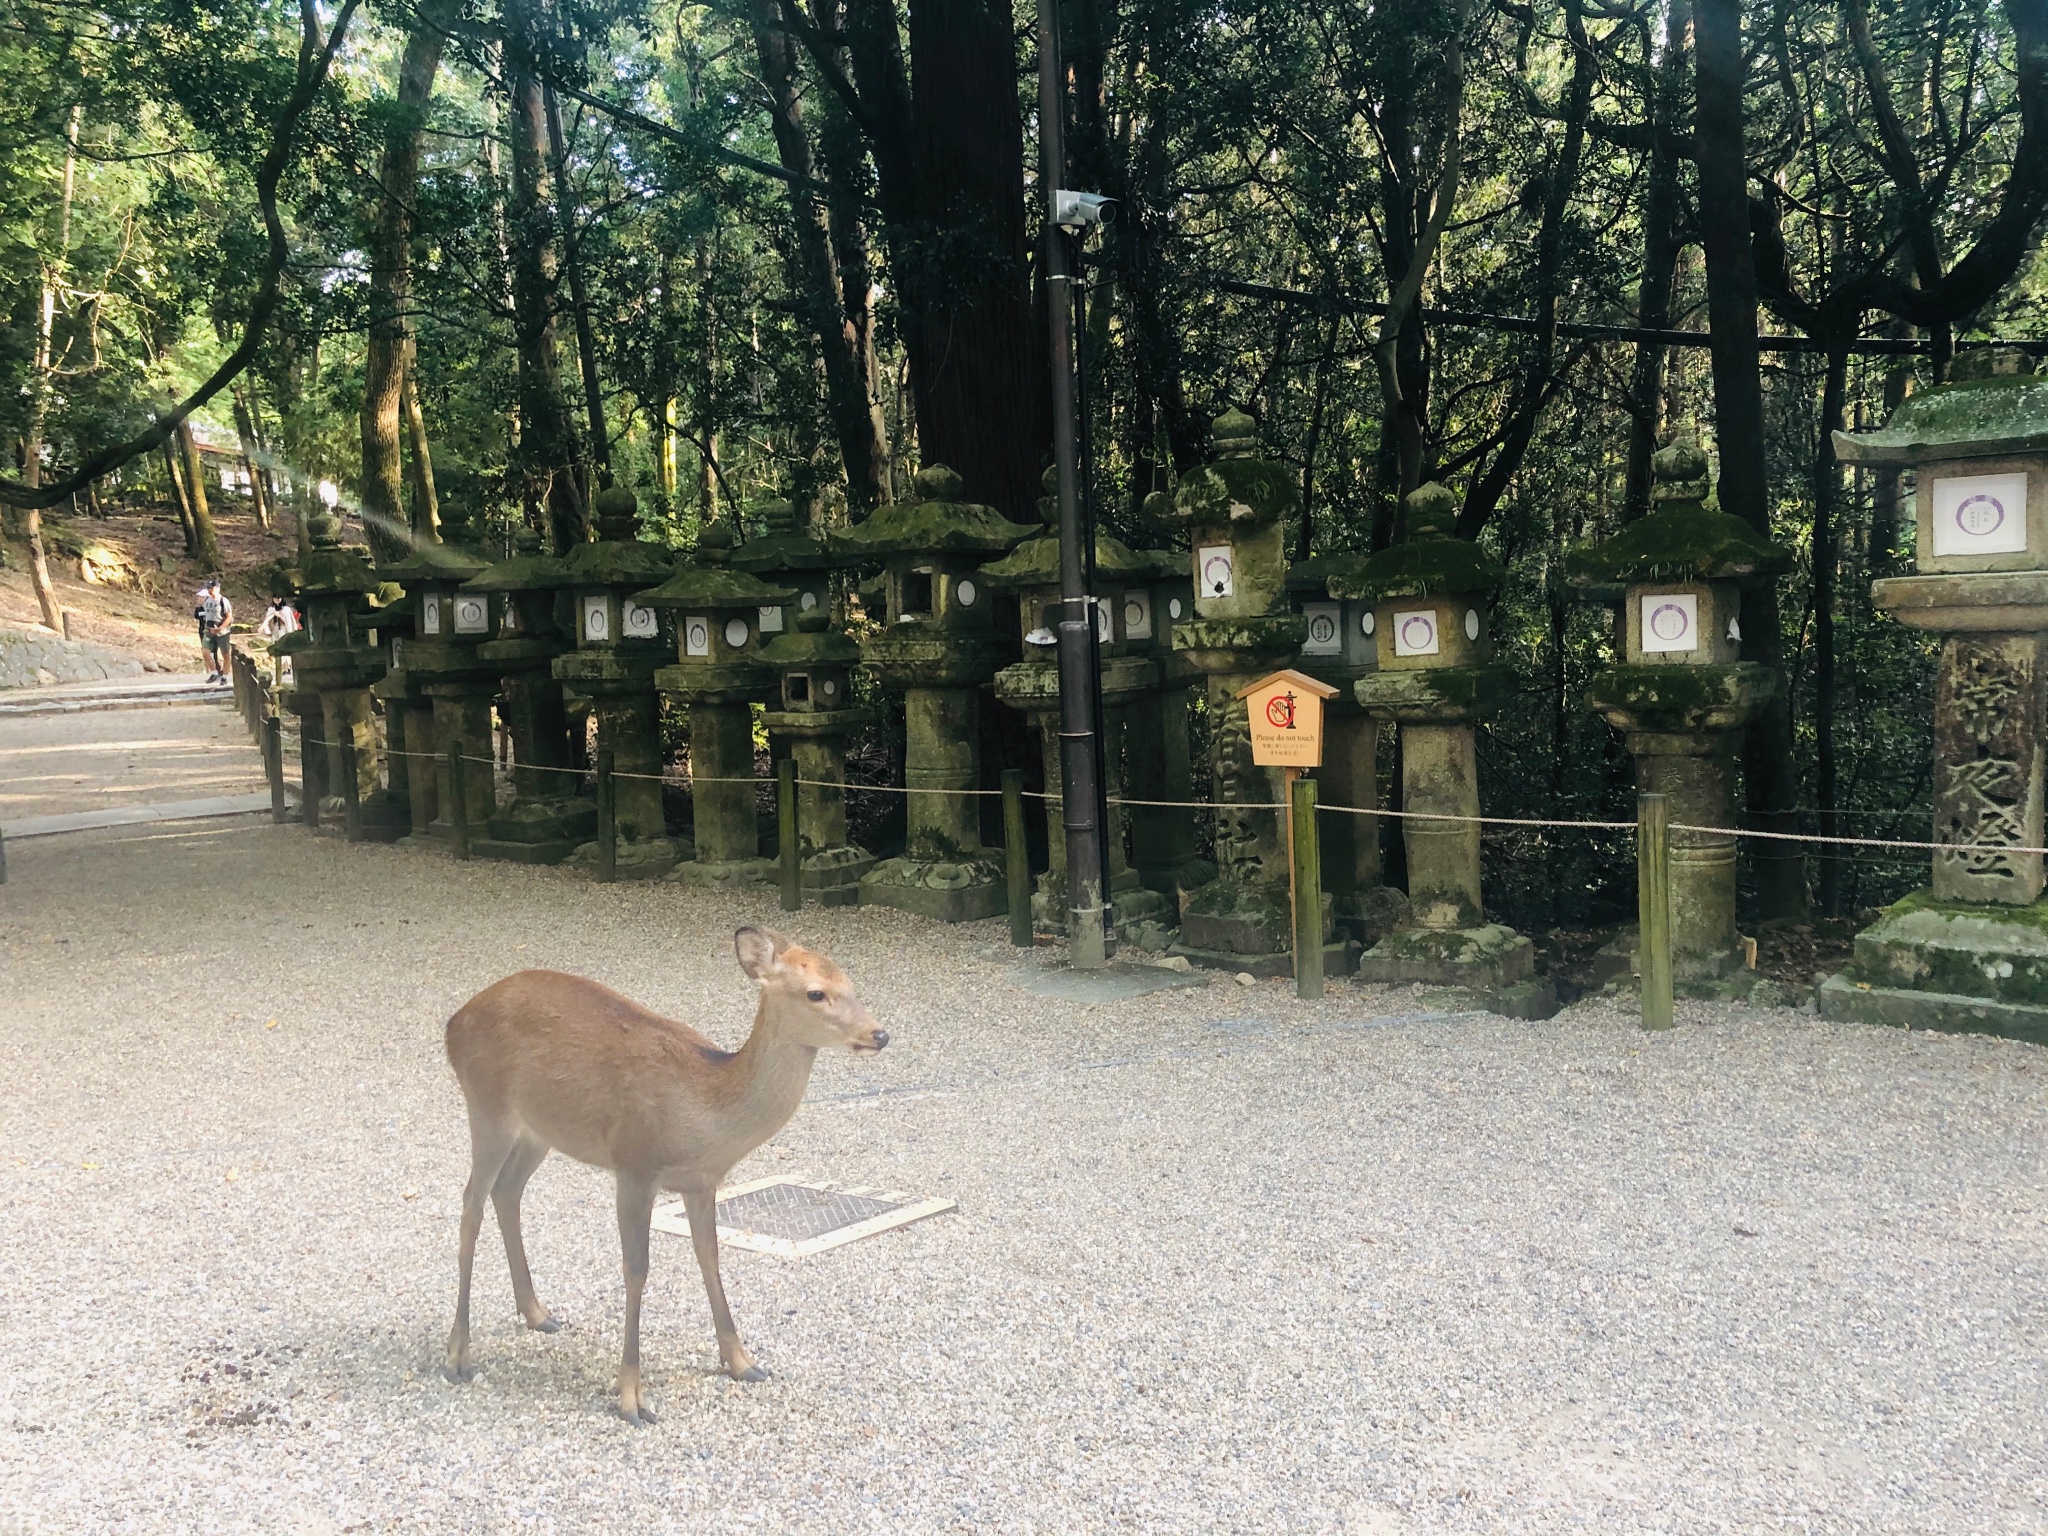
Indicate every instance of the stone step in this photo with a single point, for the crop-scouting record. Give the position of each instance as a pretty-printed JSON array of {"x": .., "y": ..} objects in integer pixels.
[{"x": 131, "y": 694}]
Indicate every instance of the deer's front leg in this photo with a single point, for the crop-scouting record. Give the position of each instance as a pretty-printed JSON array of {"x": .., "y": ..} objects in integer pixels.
[
  {"x": 701, "y": 1202},
  {"x": 636, "y": 1211}
]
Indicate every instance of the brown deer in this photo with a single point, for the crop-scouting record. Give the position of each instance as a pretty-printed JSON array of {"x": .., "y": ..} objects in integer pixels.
[{"x": 551, "y": 1061}]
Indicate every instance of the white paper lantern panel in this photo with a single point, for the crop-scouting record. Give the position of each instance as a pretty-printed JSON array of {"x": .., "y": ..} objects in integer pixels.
[
  {"x": 1415, "y": 633},
  {"x": 597, "y": 618},
  {"x": 1671, "y": 621},
  {"x": 1980, "y": 514},
  {"x": 1214, "y": 571},
  {"x": 1325, "y": 629}
]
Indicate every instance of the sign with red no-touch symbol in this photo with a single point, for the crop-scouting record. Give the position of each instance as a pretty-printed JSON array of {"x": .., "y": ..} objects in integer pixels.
[{"x": 1285, "y": 712}]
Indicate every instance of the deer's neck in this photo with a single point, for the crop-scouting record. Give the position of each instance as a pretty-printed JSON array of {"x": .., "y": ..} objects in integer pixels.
[{"x": 767, "y": 1079}]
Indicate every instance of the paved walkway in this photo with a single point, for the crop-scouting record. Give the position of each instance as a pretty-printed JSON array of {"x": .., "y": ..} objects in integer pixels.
[
  {"x": 1222, "y": 1261},
  {"x": 122, "y": 759}
]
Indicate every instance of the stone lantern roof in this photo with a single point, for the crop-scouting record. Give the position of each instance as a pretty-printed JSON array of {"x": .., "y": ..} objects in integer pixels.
[
  {"x": 1994, "y": 404},
  {"x": 528, "y": 571},
  {"x": 707, "y": 582},
  {"x": 939, "y": 524},
  {"x": 1430, "y": 562},
  {"x": 431, "y": 560},
  {"x": 1036, "y": 562},
  {"x": 1680, "y": 541},
  {"x": 1237, "y": 486},
  {"x": 786, "y": 546},
  {"x": 815, "y": 642},
  {"x": 616, "y": 558}
]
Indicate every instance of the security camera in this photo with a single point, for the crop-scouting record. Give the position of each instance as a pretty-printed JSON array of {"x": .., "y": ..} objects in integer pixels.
[{"x": 1082, "y": 210}]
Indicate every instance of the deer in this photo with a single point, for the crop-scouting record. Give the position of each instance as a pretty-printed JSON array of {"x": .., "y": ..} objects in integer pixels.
[{"x": 549, "y": 1061}]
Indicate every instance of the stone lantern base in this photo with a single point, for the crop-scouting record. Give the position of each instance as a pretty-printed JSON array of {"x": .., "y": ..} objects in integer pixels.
[
  {"x": 1491, "y": 967},
  {"x": 537, "y": 831},
  {"x": 1231, "y": 925},
  {"x": 1948, "y": 965}
]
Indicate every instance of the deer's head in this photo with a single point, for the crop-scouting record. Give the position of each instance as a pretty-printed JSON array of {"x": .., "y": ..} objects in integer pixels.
[{"x": 807, "y": 996}]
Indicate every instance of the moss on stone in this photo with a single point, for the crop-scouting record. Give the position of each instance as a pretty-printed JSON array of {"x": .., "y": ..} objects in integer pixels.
[
  {"x": 930, "y": 528},
  {"x": 1214, "y": 494},
  {"x": 1682, "y": 541},
  {"x": 782, "y": 552},
  {"x": 522, "y": 573},
  {"x": 2007, "y": 413},
  {"x": 326, "y": 571},
  {"x": 1676, "y": 690},
  {"x": 617, "y": 563},
  {"x": 830, "y": 647},
  {"x": 1036, "y": 563},
  {"x": 1426, "y": 567},
  {"x": 431, "y": 560},
  {"x": 702, "y": 587},
  {"x": 1311, "y": 578}
]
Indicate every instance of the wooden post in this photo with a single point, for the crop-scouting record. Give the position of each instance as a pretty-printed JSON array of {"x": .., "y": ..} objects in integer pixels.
[
  {"x": 607, "y": 820},
  {"x": 1305, "y": 874},
  {"x": 351, "y": 791},
  {"x": 1653, "y": 908},
  {"x": 309, "y": 807},
  {"x": 3, "y": 858},
  {"x": 1016, "y": 857},
  {"x": 787, "y": 847},
  {"x": 458, "y": 802},
  {"x": 273, "y": 767}
]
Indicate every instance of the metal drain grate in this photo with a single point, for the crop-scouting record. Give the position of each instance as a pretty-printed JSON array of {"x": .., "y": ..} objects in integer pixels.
[{"x": 792, "y": 1217}]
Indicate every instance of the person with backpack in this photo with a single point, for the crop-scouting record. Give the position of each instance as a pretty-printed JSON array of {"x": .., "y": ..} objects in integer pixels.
[{"x": 215, "y": 614}]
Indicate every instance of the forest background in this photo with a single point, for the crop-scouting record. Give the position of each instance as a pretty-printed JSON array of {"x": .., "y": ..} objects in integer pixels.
[{"x": 465, "y": 261}]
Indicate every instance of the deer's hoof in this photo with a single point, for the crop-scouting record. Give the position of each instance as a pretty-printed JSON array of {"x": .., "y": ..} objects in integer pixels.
[
  {"x": 751, "y": 1373},
  {"x": 547, "y": 1325},
  {"x": 458, "y": 1372},
  {"x": 639, "y": 1416}
]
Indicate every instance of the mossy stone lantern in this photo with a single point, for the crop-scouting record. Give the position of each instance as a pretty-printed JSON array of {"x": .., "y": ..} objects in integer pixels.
[
  {"x": 938, "y": 645},
  {"x": 1437, "y": 678},
  {"x": 333, "y": 668},
  {"x": 1156, "y": 724},
  {"x": 1124, "y": 637},
  {"x": 816, "y": 715},
  {"x": 1339, "y": 647},
  {"x": 1682, "y": 694},
  {"x": 1971, "y": 951},
  {"x": 408, "y": 715},
  {"x": 619, "y": 647},
  {"x": 547, "y": 819},
  {"x": 718, "y": 675},
  {"x": 441, "y": 661},
  {"x": 787, "y": 555},
  {"x": 1235, "y": 511}
]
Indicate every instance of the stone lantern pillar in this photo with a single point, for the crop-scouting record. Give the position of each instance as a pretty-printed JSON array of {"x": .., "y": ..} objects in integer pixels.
[
  {"x": 718, "y": 675},
  {"x": 441, "y": 662},
  {"x": 1340, "y": 648},
  {"x": 332, "y": 670},
  {"x": 1436, "y": 679},
  {"x": 1971, "y": 951},
  {"x": 1236, "y": 511},
  {"x": 1124, "y": 634},
  {"x": 547, "y": 818},
  {"x": 1156, "y": 726},
  {"x": 938, "y": 645},
  {"x": 408, "y": 719},
  {"x": 816, "y": 716},
  {"x": 619, "y": 646},
  {"x": 1682, "y": 693}
]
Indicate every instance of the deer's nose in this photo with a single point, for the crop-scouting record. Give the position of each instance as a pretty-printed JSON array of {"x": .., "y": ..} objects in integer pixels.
[{"x": 879, "y": 1038}]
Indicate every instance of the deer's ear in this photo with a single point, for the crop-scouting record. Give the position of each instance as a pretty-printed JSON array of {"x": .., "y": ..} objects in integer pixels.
[{"x": 758, "y": 949}]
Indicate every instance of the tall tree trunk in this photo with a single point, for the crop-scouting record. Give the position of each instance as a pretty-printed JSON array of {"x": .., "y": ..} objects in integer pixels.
[
  {"x": 1645, "y": 398},
  {"x": 390, "y": 251},
  {"x": 46, "y": 325},
  {"x": 245, "y": 433},
  {"x": 426, "y": 500},
  {"x": 1826, "y": 484},
  {"x": 1888, "y": 493},
  {"x": 179, "y": 500},
  {"x": 849, "y": 399},
  {"x": 579, "y": 294},
  {"x": 205, "y": 542},
  {"x": 1771, "y": 785},
  {"x": 549, "y": 454}
]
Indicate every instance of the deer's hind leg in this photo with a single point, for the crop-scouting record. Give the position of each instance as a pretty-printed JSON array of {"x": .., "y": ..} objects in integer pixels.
[
  {"x": 489, "y": 1146},
  {"x": 527, "y": 1154}
]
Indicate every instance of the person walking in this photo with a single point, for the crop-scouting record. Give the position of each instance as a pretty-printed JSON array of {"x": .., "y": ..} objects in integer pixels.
[
  {"x": 215, "y": 614},
  {"x": 278, "y": 619}
]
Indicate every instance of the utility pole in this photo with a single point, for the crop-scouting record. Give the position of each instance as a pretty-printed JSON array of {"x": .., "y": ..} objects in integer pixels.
[{"x": 1080, "y": 681}]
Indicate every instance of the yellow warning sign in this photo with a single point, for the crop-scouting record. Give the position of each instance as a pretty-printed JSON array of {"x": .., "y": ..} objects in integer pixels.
[{"x": 1286, "y": 711}]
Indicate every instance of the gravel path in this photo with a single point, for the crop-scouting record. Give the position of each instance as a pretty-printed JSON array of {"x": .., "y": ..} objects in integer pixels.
[
  {"x": 95, "y": 760},
  {"x": 1223, "y": 1261}
]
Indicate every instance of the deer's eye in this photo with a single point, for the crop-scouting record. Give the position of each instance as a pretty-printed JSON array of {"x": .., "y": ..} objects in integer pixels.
[{"x": 816, "y": 995}]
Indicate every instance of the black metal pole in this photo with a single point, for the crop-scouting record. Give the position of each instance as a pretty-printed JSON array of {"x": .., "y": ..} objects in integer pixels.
[
  {"x": 1086, "y": 437},
  {"x": 1080, "y": 794}
]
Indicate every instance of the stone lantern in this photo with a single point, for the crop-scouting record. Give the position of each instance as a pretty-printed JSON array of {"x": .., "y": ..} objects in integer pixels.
[
  {"x": 1339, "y": 648},
  {"x": 1236, "y": 510},
  {"x": 718, "y": 675},
  {"x": 1156, "y": 723},
  {"x": 332, "y": 670},
  {"x": 937, "y": 645},
  {"x": 787, "y": 556},
  {"x": 547, "y": 819},
  {"x": 1682, "y": 694},
  {"x": 1124, "y": 634},
  {"x": 1436, "y": 678},
  {"x": 441, "y": 662},
  {"x": 1970, "y": 952},
  {"x": 408, "y": 715},
  {"x": 815, "y": 715},
  {"x": 619, "y": 646}
]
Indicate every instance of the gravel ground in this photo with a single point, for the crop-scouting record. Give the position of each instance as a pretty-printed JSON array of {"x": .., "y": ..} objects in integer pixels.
[
  {"x": 1223, "y": 1261},
  {"x": 95, "y": 760}
]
